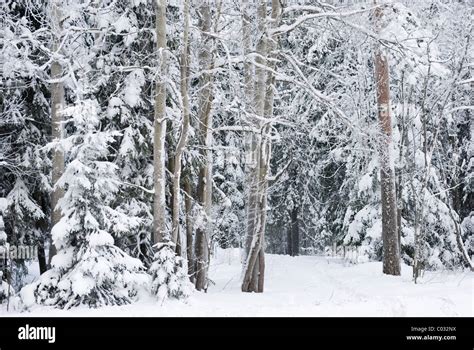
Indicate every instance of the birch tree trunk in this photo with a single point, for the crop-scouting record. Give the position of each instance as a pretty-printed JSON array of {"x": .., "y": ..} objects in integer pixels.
[
  {"x": 391, "y": 252},
  {"x": 205, "y": 142},
  {"x": 184, "y": 64},
  {"x": 159, "y": 152},
  {"x": 57, "y": 104},
  {"x": 253, "y": 240},
  {"x": 251, "y": 139},
  {"x": 254, "y": 268}
]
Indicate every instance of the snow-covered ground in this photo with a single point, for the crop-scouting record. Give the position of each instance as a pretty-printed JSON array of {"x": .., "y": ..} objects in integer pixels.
[{"x": 306, "y": 286}]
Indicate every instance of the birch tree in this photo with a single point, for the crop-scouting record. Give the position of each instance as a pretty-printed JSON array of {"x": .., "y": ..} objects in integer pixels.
[
  {"x": 57, "y": 104},
  {"x": 159, "y": 152},
  {"x": 205, "y": 142},
  {"x": 254, "y": 266},
  {"x": 183, "y": 138}
]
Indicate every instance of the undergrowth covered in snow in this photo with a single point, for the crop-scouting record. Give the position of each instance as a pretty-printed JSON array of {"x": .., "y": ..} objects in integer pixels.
[{"x": 303, "y": 286}]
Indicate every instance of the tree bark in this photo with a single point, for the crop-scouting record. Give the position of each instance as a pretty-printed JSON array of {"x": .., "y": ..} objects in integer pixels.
[
  {"x": 57, "y": 105},
  {"x": 261, "y": 276},
  {"x": 252, "y": 141},
  {"x": 254, "y": 267},
  {"x": 43, "y": 266},
  {"x": 184, "y": 64},
  {"x": 391, "y": 253},
  {"x": 205, "y": 142},
  {"x": 159, "y": 151},
  {"x": 189, "y": 228},
  {"x": 289, "y": 243},
  {"x": 295, "y": 232},
  {"x": 254, "y": 239}
]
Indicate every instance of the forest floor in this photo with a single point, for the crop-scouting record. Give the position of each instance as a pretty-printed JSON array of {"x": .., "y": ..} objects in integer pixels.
[{"x": 306, "y": 286}]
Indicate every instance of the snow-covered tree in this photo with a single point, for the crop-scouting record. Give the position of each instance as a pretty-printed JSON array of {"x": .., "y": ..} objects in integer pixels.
[
  {"x": 169, "y": 274},
  {"x": 130, "y": 123},
  {"x": 88, "y": 268},
  {"x": 24, "y": 117},
  {"x": 3, "y": 260}
]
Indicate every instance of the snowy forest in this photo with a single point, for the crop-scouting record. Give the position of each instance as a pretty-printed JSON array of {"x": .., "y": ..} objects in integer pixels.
[{"x": 182, "y": 154}]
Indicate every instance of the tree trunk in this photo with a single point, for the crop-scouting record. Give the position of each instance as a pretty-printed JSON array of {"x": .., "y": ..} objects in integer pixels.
[
  {"x": 254, "y": 268},
  {"x": 159, "y": 152},
  {"x": 391, "y": 253},
  {"x": 189, "y": 228},
  {"x": 205, "y": 142},
  {"x": 43, "y": 226},
  {"x": 184, "y": 64},
  {"x": 289, "y": 243},
  {"x": 251, "y": 140},
  {"x": 254, "y": 239},
  {"x": 261, "y": 269},
  {"x": 295, "y": 232},
  {"x": 57, "y": 104},
  {"x": 43, "y": 266}
]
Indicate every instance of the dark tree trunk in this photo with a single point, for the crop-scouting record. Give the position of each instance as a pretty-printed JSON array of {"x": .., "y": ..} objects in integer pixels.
[
  {"x": 295, "y": 232},
  {"x": 261, "y": 269},
  {"x": 43, "y": 266},
  {"x": 289, "y": 243},
  {"x": 44, "y": 228}
]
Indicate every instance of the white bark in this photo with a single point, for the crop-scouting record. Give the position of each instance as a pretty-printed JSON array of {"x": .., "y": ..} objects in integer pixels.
[
  {"x": 254, "y": 268},
  {"x": 57, "y": 105},
  {"x": 250, "y": 138},
  {"x": 183, "y": 139},
  {"x": 205, "y": 141},
  {"x": 159, "y": 151}
]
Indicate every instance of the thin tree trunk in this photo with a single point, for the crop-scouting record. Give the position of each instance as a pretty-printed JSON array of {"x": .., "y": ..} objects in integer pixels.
[
  {"x": 252, "y": 141},
  {"x": 265, "y": 161},
  {"x": 205, "y": 172},
  {"x": 43, "y": 266},
  {"x": 261, "y": 269},
  {"x": 459, "y": 241},
  {"x": 295, "y": 232},
  {"x": 418, "y": 260},
  {"x": 184, "y": 64},
  {"x": 189, "y": 228},
  {"x": 43, "y": 226},
  {"x": 289, "y": 243},
  {"x": 402, "y": 126},
  {"x": 391, "y": 253},
  {"x": 57, "y": 104},
  {"x": 159, "y": 152}
]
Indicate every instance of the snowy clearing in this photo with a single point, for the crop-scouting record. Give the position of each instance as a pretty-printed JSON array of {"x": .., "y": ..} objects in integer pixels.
[{"x": 305, "y": 286}]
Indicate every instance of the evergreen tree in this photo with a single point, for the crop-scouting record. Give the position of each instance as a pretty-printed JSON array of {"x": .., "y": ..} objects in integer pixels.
[
  {"x": 88, "y": 268},
  {"x": 169, "y": 274}
]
